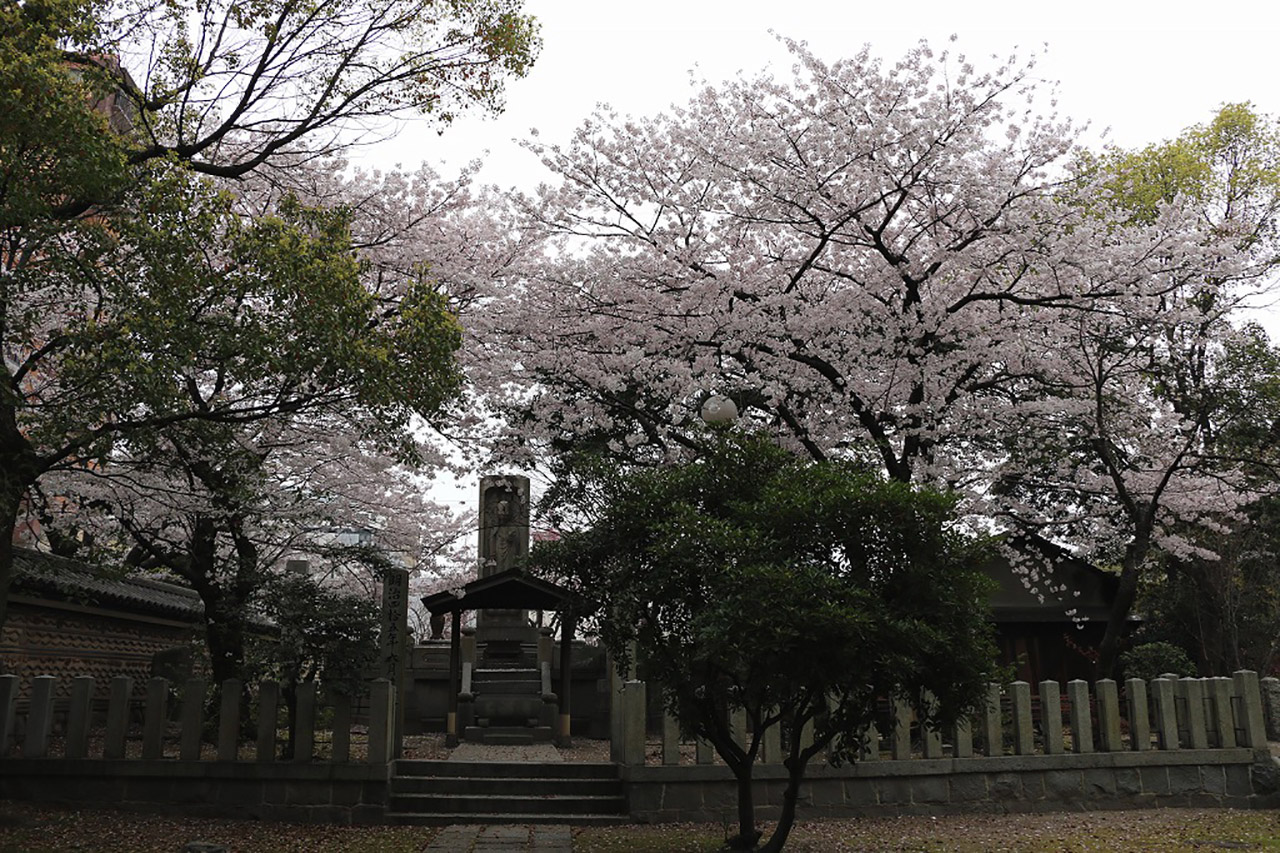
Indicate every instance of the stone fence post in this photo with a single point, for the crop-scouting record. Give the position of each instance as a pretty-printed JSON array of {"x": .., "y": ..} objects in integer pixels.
[
  {"x": 382, "y": 702},
  {"x": 633, "y": 734}
]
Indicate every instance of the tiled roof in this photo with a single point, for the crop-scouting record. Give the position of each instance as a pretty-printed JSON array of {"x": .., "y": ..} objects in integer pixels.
[{"x": 46, "y": 575}]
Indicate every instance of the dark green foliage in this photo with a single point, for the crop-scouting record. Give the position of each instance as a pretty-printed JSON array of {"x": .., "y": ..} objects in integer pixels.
[
  {"x": 750, "y": 579},
  {"x": 325, "y": 636},
  {"x": 1151, "y": 660}
]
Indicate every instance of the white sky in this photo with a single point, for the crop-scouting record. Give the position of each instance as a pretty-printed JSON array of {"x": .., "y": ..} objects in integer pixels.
[
  {"x": 1145, "y": 70},
  {"x": 1140, "y": 71}
]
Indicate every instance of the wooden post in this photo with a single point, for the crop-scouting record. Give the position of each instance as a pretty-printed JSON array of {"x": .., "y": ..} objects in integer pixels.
[
  {"x": 455, "y": 678},
  {"x": 567, "y": 627},
  {"x": 8, "y": 698},
  {"x": 633, "y": 722},
  {"x": 1081, "y": 720},
  {"x": 1224, "y": 725},
  {"x": 771, "y": 745},
  {"x": 117, "y": 717},
  {"x": 870, "y": 738},
  {"x": 1193, "y": 696},
  {"x": 670, "y": 740},
  {"x": 268, "y": 710},
  {"x": 992, "y": 725},
  {"x": 1109, "y": 715},
  {"x": 79, "y": 716},
  {"x": 192, "y": 719},
  {"x": 1139, "y": 717},
  {"x": 738, "y": 728},
  {"x": 1166, "y": 712},
  {"x": 304, "y": 741},
  {"x": 341, "y": 728},
  {"x": 962, "y": 739},
  {"x": 39, "y": 717},
  {"x": 1023, "y": 735},
  {"x": 615, "y": 711},
  {"x": 1051, "y": 716},
  {"x": 153, "y": 722},
  {"x": 930, "y": 738},
  {"x": 381, "y": 723},
  {"x": 900, "y": 734},
  {"x": 1249, "y": 696},
  {"x": 229, "y": 720},
  {"x": 393, "y": 643}
]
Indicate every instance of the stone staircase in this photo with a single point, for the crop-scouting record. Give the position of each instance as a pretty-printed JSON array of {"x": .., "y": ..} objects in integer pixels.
[
  {"x": 518, "y": 792},
  {"x": 509, "y": 707}
]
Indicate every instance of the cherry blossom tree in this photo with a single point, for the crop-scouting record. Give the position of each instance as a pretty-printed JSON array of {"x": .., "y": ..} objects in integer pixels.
[
  {"x": 1125, "y": 452},
  {"x": 230, "y": 86},
  {"x": 905, "y": 265},
  {"x": 844, "y": 255}
]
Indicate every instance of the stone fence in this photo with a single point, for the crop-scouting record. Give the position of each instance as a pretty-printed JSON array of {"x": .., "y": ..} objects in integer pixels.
[
  {"x": 183, "y": 735},
  {"x": 143, "y": 757},
  {"x": 1183, "y": 741},
  {"x": 1173, "y": 741}
]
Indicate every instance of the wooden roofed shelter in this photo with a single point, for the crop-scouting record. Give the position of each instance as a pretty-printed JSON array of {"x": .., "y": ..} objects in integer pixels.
[{"x": 509, "y": 590}]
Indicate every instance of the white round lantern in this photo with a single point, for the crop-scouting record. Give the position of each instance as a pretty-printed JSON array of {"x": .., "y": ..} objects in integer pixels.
[{"x": 719, "y": 409}]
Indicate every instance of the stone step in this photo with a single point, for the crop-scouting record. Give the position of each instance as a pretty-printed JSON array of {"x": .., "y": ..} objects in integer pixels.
[
  {"x": 511, "y": 683},
  {"x": 506, "y": 709},
  {"x": 445, "y": 819},
  {"x": 495, "y": 786},
  {"x": 437, "y": 792},
  {"x": 505, "y": 804},
  {"x": 507, "y": 735},
  {"x": 488, "y": 675},
  {"x": 409, "y": 767}
]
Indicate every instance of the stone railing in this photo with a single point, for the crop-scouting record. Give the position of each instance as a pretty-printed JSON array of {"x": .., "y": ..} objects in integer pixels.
[
  {"x": 146, "y": 729},
  {"x": 1169, "y": 742},
  {"x": 1165, "y": 714},
  {"x": 59, "y": 747}
]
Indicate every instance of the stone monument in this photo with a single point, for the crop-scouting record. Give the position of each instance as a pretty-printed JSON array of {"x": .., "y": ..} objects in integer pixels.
[{"x": 502, "y": 636}]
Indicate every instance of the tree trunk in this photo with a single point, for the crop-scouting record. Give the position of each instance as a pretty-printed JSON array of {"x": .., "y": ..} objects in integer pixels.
[
  {"x": 787, "y": 818},
  {"x": 19, "y": 471},
  {"x": 740, "y": 762},
  {"x": 8, "y": 524},
  {"x": 748, "y": 835},
  {"x": 1126, "y": 594}
]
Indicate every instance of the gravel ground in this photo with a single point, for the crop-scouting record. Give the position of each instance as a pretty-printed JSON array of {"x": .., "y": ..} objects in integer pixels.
[
  {"x": 26, "y": 828},
  {"x": 38, "y": 829}
]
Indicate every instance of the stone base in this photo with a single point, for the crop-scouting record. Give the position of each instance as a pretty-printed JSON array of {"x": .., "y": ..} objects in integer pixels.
[{"x": 507, "y": 735}]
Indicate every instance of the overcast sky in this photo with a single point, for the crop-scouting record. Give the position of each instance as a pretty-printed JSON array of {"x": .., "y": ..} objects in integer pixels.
[
  {"x": 1138, "y": 72},
  {"x": 1141, "y": 69}
]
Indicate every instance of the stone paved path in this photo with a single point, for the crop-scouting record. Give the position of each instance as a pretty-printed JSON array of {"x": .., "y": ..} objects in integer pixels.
[
  {"x": 503, "y": 839},
  {"x": 543, "y": 753}
]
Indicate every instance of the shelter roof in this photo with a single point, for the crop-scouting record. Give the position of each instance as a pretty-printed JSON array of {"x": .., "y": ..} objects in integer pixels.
[{"x": 509, "y": 590}]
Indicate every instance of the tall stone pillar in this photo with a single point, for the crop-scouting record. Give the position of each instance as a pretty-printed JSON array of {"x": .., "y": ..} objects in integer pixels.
[
  {"x": 503, "y": 545},
  {"x": 393, "y": 642}
]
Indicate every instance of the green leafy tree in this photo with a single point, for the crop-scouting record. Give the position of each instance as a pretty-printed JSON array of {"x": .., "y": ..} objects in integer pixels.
[
  {"x": 253, "y": 337},
  {"x": 132, "y": 298},
  {"x": 1121, "y": 449},
  {"x": 1222, "y": 603},
  {"x": 1228, "y": 168},
  {"x": 325, "y": 636},
  {"x": 797, "y": 592}
]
